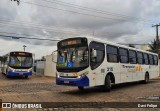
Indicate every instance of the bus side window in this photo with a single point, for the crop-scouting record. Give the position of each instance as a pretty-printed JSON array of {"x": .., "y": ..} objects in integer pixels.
[
  {"x": 97, "y": 52},
  {"x": 140, "y": 57},
  {"x": 151, "y": 59},
  {"x": 112, "y": 54},
  {"x": 155, "y": 60},
  {"x": 123, "y": 54},
  {"x": 132, "y": 57},
  {"x": 146, "y": 60}
]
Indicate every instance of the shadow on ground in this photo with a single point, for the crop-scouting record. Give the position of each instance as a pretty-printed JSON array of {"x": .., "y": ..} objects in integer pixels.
[{"x": 99, "y": 89}]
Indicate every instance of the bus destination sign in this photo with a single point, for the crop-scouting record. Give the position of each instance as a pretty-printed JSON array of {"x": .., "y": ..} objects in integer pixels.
[
  {"x": 20, "y": 54},
  {"x": 71, "y": 42}
]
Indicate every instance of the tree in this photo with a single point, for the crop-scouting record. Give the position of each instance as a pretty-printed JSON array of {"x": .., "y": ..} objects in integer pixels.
[
  {"x": 43, "y": 58},
  {"x": 131, "y": 45},
  {"x": 153, "y": 47}
]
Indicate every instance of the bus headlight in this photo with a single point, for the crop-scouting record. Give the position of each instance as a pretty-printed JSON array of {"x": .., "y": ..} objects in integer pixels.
[
  {"x": 29, "y": 70},
  {"x": 57, "y": 75},
  {"x": 11, "y": 69},
  {"x": 83, "y": 74}
]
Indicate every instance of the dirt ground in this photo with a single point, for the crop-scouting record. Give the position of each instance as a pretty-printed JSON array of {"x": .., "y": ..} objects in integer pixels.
[{"x": 44, "y": 89}]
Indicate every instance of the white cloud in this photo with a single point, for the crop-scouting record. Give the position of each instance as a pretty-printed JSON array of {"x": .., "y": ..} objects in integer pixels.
[{"x": 62, "y": 24}]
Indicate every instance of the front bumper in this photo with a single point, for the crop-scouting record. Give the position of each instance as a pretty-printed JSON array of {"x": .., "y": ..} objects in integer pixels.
[
  {"x": 84, "y": 81},
  {"x": 10, "y": 73}
]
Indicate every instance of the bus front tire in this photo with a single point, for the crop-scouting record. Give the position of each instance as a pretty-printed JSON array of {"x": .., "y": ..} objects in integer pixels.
[
  {"x": 80, "y": 88},
  {"x": 146, "y": 78},
  {"x": 107, "y": 84}
]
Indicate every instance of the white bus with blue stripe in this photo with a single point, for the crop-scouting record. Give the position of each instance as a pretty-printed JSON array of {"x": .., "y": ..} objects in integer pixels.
[
  {"x": 86, "y": 62},
  {"x": 17, "y": 64}
]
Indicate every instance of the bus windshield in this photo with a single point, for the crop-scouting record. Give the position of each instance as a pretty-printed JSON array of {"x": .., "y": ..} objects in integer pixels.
[
  {"x": 73, "y": 57},
  {"x": 19, "y": 61}
]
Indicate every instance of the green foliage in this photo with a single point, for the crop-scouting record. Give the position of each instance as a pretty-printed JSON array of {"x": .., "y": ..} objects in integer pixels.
[
  {"x": 153, "y": 46},
  {"x": 130, "y": 45}
]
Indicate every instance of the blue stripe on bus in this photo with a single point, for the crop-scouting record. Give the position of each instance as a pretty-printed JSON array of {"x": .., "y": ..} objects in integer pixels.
[
  {"x": 84, "y": 81},
  {"x": 10, "y": 73}
]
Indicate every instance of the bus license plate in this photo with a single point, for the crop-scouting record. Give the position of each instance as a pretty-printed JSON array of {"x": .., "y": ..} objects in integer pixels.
[
  {"x": 66, "y": 82},
  {"x": 20, "y": 73}
]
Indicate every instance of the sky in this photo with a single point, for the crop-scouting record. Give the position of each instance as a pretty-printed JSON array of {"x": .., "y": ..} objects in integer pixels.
[{"x": 127, "y": 21}]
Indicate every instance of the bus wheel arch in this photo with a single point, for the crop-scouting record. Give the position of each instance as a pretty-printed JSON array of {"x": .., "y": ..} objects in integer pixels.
[{"x": 109, "y": 79}]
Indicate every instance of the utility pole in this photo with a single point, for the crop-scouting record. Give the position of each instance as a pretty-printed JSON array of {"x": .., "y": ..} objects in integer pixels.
[
  {"x": 24, "y": 46},
  {"x": 157, "y": 37}
]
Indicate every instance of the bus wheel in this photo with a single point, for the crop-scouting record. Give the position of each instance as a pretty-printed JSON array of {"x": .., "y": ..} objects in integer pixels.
[
  {"x": 146, "y": 79},
  {"x": 26, "y": 77},
  {"x": 107, "y": 85},
  {"x": 81, "y": 88}
]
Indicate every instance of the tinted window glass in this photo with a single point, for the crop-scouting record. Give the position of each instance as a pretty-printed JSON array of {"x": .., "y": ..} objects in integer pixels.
[
  {"x": 112, "y": 49},
  {"x": 96, "y": 60},
  {"x": 112, "y": 54},
  {"x": 151, "y": 59},
  {"x": 139, "y": 57},
  {"x": 132, "y": 57},
  {"x": 155, "y": 60},
  {"x": 146, "y": 61},
  {"x": 123, "y": 53}
]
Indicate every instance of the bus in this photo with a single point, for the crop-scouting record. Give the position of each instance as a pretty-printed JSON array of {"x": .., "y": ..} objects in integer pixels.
[
  {"x": 86, "y": 62},
  {"x": 17, "y": 64}
]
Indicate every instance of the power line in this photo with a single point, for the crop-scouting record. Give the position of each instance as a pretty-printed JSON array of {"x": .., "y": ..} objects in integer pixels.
[
  {"x": 88, "y": 9},
  {"x": 65, "y": 10},
  {"x": 93, "y": 10},
  {"x": 37, "y": 27},
  {"x": 30, "y": 24},
  {"x": 16, "y": 37},
  {"x": 76, "y": 12},
  {"x": 19, "y": 34},
  {"x": 7, "y": 21}
]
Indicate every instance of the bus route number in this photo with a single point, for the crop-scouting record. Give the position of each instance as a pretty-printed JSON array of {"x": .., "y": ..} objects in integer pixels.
[{"x": 109, "y": 68}]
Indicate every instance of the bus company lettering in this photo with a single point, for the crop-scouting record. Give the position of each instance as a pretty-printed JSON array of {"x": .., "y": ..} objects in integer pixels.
[
  {"x": 124, "y": 66},
  {"x": 133, "y": 68},
  {"x": 139, "y": 68}
]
